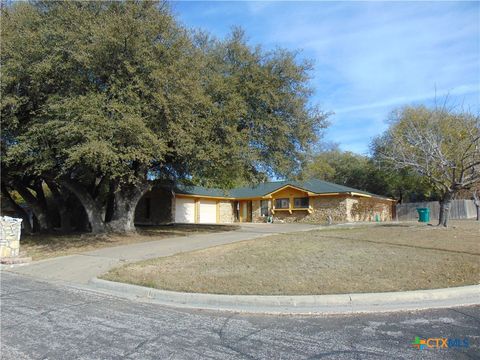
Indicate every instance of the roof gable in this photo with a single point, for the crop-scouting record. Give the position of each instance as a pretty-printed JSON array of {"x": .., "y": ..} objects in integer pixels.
[{"x": 289, "y": 186}]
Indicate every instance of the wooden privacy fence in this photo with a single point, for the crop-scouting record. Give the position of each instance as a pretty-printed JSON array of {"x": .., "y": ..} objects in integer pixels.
[{"x": 459, "y": 209}]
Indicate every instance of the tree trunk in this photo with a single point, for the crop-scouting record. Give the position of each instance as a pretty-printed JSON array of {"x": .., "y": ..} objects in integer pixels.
[
  {"x": 126, "y": 200},
  {"x": 400, "y": 197},
  {"x": 445, "y": 208},
  {"x": 39, "y": 210},
  {"x": 63, "y": 212},
  {"x": 27, "y": 226},
  {"x": 95, "y": 218},
  {"x": 110, "y": 202},
  {"x": 95, "y": 211}
]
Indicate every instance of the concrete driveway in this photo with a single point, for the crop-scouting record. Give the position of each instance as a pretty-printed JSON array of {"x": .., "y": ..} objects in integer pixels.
[{"x": 80, "y": 268}]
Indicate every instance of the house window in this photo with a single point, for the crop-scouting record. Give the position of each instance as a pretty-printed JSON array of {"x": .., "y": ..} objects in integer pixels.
[
  {"x": 264, "y": 208},
  {"x": 282, "y": 203},
  {"x": 301, "y": 202},
  {"x": 147, "y": 208}
]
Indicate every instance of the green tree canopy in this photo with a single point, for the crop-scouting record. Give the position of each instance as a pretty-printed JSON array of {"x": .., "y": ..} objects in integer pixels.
[
  {"x": 100, "y": 97},
  {"x": 368, "y": 174}
]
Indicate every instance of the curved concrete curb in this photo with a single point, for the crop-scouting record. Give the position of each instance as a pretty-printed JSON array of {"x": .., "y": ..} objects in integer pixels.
[{"x": 305, "y": 304}]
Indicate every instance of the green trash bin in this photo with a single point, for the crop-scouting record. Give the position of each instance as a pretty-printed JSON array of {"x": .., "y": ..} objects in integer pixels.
[{"x": 423, "y": 214}]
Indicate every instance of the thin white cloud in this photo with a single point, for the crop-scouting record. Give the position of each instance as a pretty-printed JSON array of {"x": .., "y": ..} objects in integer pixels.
[
  {"x": 459, "y": 90},
  {"x": 256, "y": 7},
  {"x": 369, "y": 56}
]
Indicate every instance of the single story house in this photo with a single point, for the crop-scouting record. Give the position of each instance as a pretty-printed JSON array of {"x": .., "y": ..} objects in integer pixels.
[{"x": 313, "y": 201}]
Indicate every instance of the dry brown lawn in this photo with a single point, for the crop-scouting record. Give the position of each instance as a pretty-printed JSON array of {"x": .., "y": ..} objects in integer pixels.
[
  {"x": 388, "y": 257},
  {"x": 43, "y": 246}
]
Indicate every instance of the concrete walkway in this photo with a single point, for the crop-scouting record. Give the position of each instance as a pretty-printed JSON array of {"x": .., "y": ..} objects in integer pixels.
[{"x": 80, "y": 268}]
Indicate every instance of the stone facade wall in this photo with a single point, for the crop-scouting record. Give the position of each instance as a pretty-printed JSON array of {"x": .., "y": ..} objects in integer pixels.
[
  {"x": 325, "y": 210},
  {"x": 369, "y": 209},
  {"x": 340, "y": 209},
  {"x": 226, "y": 212},
  {"x": 161, "y": 208},
  {"x": 257, "y": 211},
  {"x": 328, "y": 209},
  {"x": 10, "y": 229}
]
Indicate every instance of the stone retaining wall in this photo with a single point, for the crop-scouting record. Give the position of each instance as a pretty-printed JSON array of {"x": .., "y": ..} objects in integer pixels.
[{"x": 10, "y": 229}]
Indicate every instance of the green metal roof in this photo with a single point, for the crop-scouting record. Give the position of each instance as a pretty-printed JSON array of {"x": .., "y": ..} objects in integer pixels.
[
  {"x": 313, "y": 185},
  {"x": 200, "y": 190}
]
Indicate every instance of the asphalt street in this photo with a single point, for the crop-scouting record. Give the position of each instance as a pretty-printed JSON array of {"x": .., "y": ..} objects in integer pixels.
[{"x": 42, "y": 320}]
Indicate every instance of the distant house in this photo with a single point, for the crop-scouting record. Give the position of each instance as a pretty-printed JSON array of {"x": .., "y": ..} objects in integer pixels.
[{"x": 313, "y": 201}]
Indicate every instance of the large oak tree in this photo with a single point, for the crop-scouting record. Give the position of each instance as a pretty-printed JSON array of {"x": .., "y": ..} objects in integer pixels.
[{"x": 101, "y": 99}]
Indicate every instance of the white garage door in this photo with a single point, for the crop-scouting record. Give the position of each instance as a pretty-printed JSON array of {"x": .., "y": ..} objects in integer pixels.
[
  {"x": 208, "y": 211},
  {"x": 184, "y": 210}
]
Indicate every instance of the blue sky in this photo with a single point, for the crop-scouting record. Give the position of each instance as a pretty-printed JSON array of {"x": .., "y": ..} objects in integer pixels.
[{"x": 370, "y": 57}]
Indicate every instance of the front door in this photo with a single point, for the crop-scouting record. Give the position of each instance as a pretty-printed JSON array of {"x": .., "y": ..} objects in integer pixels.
[{"x": 245, "y": 211}]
